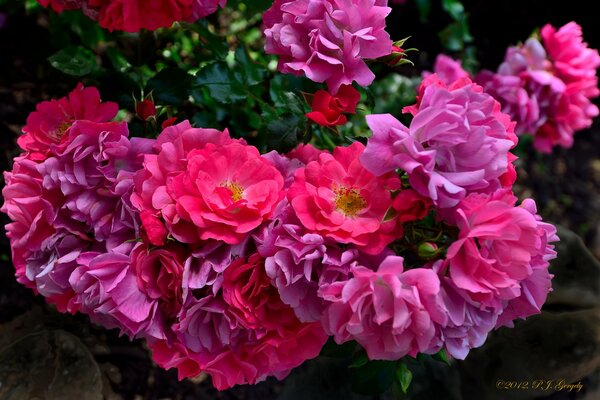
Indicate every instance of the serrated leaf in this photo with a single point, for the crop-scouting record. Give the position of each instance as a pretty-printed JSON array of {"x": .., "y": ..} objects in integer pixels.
[
  {"x": 252, "y": 73},
  {"x": 170, "y": 86},
  {"x": 404, "y": 377},
  {"x": 283, "y": 133},
  {"x": 76, "y": 61},
  {"x": 220, "y": 82}
]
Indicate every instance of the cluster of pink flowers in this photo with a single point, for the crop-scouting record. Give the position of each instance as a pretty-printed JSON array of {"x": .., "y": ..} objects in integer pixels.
[
  {"x": 241, "y": 265},
  {"x": 328, "y": 40},
  {"x": 135, "y": 15},
  {"x": 545, "y": 85}
]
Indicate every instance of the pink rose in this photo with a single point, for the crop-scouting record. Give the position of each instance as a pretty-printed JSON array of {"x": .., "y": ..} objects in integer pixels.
[
  {"x": 458, "y": 142},
  {"x": 46, "y": 127},
  {"x": 106, "y": 290},
  {"x": 338, "y": 198},
  {"x": 328, "y": 40},
  {"x": 390, "y": 312},
  {"x": 225, "y": 192},
  {"x": 497, "y": 247}
]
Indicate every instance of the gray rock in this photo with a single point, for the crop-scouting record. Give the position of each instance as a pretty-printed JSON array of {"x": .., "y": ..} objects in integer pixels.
[
  {"x": 551, "y": 347},
  {"x": 576, "y": 272},
  {"x": 49, "y": 365}
]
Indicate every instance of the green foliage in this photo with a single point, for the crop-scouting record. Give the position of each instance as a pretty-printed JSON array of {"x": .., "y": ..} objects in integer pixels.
[
  {"x": 285, "y": 132},
  {"x": 403, "y": 377},
  {"x": 77, "y": 61},
  {"x": 220, "y": 83},
  {"x": 374, "y": 377},
  {"x": 169, "y": 86}
]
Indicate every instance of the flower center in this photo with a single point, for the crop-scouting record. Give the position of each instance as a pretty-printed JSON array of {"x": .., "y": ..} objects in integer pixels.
[
  {"x": 237, "y": 192},
  {"x": 57, "y": 134},
  {"x": 348, "y": 201}
]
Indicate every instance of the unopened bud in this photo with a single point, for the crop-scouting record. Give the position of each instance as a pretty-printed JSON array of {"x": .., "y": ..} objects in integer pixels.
[{"x": 427, "y": 250}]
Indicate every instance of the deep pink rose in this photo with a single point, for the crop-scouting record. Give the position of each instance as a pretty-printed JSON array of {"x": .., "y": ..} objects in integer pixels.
[
  {"x": 154, "y": 184},
  {"x": 225, "y": 191},
  {"x": 202, "y": 8},
  {"x": 260, "y": 336},
  {"x": 339, "y": 199},
  {"x": 496, "y": 250},
  {"x": 305, "y": 153},
  {"x": 30, "y": 213},
  {"x": 159, "y": 274},
  {"x": 46, "y": 127},
  {"x": 411, "y": 206},
  {"x": 61, "y": 5},
  {"x": 250, "y": 296}
]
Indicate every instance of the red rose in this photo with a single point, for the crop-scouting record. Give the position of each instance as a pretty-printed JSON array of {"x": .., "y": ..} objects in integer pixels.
[
  {"x": 251, "y": 298},
  {"x": 159, "y": 274},
  {"x": 327, "y": 110},
  {"x": 154, "y": 229},
  {"x": 411, "y": 206},
  {"x": 168, "y": 122},
  {"x": 145, "y": 109}
]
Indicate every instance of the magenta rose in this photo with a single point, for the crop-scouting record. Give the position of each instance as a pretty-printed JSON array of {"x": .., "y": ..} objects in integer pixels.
[
  {"x": 458, "y": 142},
  {"x": 329, "y": 40},
  {"x": 159, "y": 273},
  {"x": 46, "y": 127}
]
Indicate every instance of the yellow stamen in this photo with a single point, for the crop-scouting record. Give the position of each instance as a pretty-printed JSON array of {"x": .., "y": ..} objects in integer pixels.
[
  {"x": 57, "y": 134},
  {"x": 237, "y": 192},
  {"x": 348, "y": 201}
]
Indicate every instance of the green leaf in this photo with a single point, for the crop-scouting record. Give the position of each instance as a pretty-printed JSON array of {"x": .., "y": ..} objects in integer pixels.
[
  {"x": 442, "y": 356},
  {"x": 404, "y": 377},
  {"x": 283, "y": 133},
  {"x": 251, "y": 72},
  {"x": 216, "y": 44},
  {"x": 375, "y": 377},
  {"x": 77, "y": 61},
  {"x": 360, "y": 359},
  {"x": 453, "y": 36},
  {"x": 251, "y": 7},
  {"x": 454, "y": 8},
  {"x": 169, "y": 87},
  {"x": 220, "y": 82}
]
